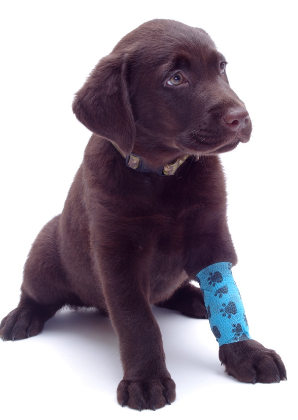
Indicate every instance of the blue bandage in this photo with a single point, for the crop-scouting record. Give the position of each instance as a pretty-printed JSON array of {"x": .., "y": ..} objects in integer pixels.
[{"x": 223, "y": 302}]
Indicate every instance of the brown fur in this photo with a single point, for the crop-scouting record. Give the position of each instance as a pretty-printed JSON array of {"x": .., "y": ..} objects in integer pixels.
[{"x": 126, "y": 240}]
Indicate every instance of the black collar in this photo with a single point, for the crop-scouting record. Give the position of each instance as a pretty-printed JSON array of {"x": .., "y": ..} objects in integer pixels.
[{"x": 135, "y": 162}]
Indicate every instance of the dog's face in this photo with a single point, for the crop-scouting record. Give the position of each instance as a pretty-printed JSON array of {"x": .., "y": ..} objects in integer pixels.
[{"x": 167, "y": 86}]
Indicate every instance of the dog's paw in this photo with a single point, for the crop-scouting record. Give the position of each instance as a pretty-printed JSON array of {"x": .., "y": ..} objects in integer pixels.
[
  {"x": 188, "y": 300},
  {"x": 194, "y": 305},
  {"x": 21, "y": 323},
  {"x": 146, "y": 394},
  {"x": 249, "y": 361}
]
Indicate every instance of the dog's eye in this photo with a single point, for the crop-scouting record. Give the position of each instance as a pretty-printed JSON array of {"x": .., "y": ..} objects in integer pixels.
[
  {"x": 176, "y": 80},
  {"x": 222, "y": 66}
]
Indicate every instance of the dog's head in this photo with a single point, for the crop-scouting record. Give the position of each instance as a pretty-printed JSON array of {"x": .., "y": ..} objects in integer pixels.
[{"x": 164, "y": 92}]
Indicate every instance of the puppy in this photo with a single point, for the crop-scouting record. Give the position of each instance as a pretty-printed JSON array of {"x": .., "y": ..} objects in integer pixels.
[{"x": 147, "y": 209}]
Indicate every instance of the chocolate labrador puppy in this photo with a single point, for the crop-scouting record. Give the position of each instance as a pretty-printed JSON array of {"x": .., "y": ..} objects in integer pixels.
[{"x": 147, "y": 208}]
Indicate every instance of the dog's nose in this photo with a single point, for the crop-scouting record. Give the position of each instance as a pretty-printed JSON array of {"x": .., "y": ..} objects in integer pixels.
[{"x": 236, "y": 118}]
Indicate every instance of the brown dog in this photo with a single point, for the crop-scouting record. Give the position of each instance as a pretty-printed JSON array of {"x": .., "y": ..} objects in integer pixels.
[{"x": 136, "y": 227}]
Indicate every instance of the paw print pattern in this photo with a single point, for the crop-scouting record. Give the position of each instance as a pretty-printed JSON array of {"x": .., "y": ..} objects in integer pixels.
[
  {"x": 245, "y": 320},
  {"x": 239, "y": 335},
  {"x": 221, "y": 291},
  {"x": 215, "y": 278},
  {"x": 216, "y": 332},
  {"x": 243, "y": 337},
  {"x": 229, "y": 309},
  {"x": 237, "y": 330},
  {"x": 208, "y": 312}
]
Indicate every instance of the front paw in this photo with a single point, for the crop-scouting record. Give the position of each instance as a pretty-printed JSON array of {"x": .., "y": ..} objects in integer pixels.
[
  {"x": 146, "y": 394},
  {"x": 249, "y": 361}
]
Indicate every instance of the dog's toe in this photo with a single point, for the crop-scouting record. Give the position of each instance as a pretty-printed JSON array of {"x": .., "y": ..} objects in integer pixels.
[
  {"x": 20, "y": 323},
  {"x": 146, "y": 394},
  {"x": 249, "y": 361}
]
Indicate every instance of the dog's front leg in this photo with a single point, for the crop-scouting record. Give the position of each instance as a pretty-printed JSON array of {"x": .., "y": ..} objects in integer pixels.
[
  {"x": 244, "y": 358},
  {"x": 147, "y": 383}
]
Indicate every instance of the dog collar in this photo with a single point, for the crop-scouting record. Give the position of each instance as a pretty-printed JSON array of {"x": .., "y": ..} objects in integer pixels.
[{"x": 135, "y": 162}]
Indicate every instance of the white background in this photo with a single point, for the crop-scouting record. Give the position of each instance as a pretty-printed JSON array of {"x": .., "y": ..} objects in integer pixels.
[{"x": 72, "y": 369}]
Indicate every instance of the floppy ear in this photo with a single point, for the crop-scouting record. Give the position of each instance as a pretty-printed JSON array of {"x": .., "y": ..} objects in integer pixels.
[{"x": 103, "y": 104}]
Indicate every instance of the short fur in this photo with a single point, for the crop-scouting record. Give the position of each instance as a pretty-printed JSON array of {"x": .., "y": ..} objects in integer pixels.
[{"x": 126, "y": 240}]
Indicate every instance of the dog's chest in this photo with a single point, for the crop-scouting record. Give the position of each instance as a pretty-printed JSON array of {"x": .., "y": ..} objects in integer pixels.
[
  {"x": 165, "y": 253},
  {"x": 166, "y": 275}
]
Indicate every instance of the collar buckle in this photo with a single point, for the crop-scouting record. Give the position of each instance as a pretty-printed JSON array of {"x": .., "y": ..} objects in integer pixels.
[{"x": 136, "y": 162}]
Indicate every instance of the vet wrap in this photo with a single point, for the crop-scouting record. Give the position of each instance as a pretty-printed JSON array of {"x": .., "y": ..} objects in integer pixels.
[{"x": 222, "y": 298}]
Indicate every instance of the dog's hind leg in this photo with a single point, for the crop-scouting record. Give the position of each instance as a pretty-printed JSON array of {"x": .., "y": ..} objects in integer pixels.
[
  {"x": 26, "y": 320},
  {"x": 44, "y": 288},
  {"x": 188, "y": 300}
]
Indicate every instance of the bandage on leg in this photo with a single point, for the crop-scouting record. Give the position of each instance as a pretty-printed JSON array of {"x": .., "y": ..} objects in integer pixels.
[{"x": 223, "y": 303}]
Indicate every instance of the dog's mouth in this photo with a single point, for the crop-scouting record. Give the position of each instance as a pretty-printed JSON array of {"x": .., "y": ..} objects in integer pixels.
[
  {"x": 226, "y": 148},
  {"x": 206, "y": 145}
]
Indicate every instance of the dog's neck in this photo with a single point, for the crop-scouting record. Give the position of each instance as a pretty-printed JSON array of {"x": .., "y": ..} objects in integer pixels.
[{"x": 137, "y": 163}]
